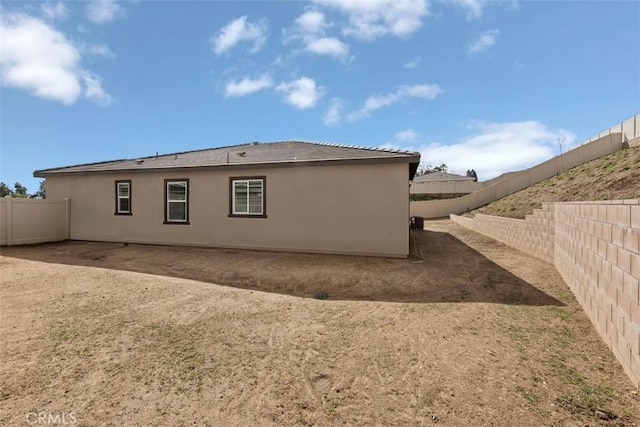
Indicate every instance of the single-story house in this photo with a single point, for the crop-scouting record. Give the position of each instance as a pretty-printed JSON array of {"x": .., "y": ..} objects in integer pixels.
[
  {"x": 444, "y": 184},
  {"x": 291, "y": 196},
  {"x": 441, "y": 176}
]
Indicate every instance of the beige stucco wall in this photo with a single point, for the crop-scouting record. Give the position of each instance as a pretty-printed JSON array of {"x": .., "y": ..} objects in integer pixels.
[
  {"x": 596, "y": 248},
  {"x": 445, "y": 187},
  {"x": 353, "y": 209},
  {"x": 26, "y": 221}
]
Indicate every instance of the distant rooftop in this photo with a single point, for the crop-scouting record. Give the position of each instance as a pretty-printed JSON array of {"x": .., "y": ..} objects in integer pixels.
[
  {"x": 249, "y": 154},
  {"x": 441, "y": 176}
]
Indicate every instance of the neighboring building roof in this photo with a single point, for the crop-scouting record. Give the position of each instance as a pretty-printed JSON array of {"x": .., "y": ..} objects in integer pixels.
[
  {"x": 247, "y": 155},
  {"x": 442, "y": 176}
]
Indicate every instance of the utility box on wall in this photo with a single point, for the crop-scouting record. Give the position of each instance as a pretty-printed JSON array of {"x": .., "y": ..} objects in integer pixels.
[{"x": 416, "y": 223}]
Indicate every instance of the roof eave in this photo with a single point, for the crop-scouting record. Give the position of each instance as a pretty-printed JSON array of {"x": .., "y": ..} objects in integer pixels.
[{"x": 412, "y": 160}]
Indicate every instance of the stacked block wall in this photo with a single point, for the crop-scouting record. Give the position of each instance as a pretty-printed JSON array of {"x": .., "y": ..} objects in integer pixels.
[
  {"x": 597, "y": 253},
  {"x": 596, "y": 248},
  {"x": 534, "y": 235}
]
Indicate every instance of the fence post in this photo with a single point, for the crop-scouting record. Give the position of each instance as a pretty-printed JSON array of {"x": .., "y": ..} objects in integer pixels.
[
  {"x": 67, "y": 228},
  {"x": 9, "y": 216},
  {"x": 3, "y": 218},
  {"x": 612, "y": 150}
]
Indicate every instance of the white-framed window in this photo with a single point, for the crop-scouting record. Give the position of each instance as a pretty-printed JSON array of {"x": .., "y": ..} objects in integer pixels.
[
  {"x": 248, "y": 196},
  {"x": 176, "y": 208},
  {"x": 123, "y": 197}
]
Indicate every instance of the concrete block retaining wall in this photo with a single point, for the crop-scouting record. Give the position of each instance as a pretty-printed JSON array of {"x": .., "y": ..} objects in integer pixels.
[{"x": 596, "y": 248}]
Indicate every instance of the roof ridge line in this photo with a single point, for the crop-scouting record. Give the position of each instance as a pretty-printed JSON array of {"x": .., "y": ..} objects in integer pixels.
[
  {"x": 105, "y": 165},
  {"x": 357, "y": 147},
  {"x": 104, "y": 162},
  {"x": 153, "y": 156},
  {"x": 192, "y": 151}
]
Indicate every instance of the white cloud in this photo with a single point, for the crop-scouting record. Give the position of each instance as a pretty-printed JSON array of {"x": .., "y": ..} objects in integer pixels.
[
  {"x": 497, "y": 148},
  {"x": 333, "y": 115},
  {"x": 247, "y": 86},
  {"x": 94, "y": 90},
  {"x": 413, "y": 63},
  {"x": 378, "y": 101},
  {"x": 370, "y": 19},
  {"x": 474, "y": 8},
  {"x": 420, "y": 91},
  {"x": 513, "y": 5},
  {"x": 240, "y": 30},
  {"x": 483, "y": 42},
  {"x": 311, "y": 21},
  {"x": 302, "y": 93},
  {"x": 103, "y": 11},
  {"x": 328, "y": 46},
  {"x": 406, "y": 135},
  {"x": 39, "y": 59},
  {"x": 53, "y": 11},
  {"x": 309, "y": 28},
  {"x": 100, "y": 50},
  {"x": 374, "y": 103}
]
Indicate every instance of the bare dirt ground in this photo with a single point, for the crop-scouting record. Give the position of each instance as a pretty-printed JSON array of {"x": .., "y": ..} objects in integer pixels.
[{"x": 465, "y": 332}]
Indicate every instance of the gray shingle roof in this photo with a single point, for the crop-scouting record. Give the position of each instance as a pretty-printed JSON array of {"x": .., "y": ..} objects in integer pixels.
[{"x": 250, "y": 154}]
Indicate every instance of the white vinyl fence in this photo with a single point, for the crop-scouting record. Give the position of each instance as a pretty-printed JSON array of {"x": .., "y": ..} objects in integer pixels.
[{"x": 26, "y": 221}]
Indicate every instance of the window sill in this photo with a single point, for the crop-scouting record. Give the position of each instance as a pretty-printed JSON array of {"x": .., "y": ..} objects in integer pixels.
[
  {"x": 123, "y": 213},
  {"x": 247, "y": 216},
  {"x": 176, "y": 222}
]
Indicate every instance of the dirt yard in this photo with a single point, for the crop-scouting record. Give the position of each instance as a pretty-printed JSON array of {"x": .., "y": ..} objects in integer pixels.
[{"x": 465, "y": 332}]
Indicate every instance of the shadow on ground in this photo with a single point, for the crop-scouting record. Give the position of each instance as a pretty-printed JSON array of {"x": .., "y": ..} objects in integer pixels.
[{"x": 441, "y": 268}]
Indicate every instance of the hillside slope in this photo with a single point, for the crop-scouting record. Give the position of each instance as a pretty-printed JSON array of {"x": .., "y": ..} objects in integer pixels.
[{"x": 612, "y": 177}]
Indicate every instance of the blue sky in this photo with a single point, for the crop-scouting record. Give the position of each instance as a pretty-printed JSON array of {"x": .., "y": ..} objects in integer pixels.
[{"x": 487, "y": 85}]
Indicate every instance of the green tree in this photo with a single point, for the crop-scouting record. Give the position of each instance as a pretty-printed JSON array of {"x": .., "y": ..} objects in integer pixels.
[
  {"x": 425, "y": 169},
  {"x": 5, "y": 190},
  {"x": 20, "y": 190},
  {"x": 42, "y": 191}
]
